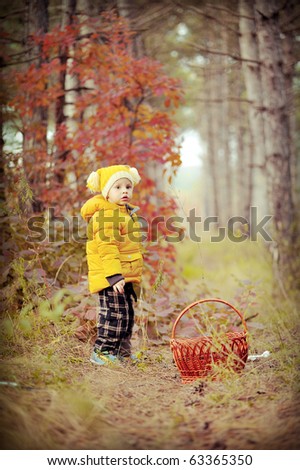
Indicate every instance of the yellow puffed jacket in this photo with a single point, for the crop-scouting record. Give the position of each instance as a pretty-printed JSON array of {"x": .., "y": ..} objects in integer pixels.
[{"x": 113, "y": 245}]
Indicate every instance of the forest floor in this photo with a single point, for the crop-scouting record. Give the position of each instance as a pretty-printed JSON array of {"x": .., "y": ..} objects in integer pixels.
[{"x": 57, "y": 399}]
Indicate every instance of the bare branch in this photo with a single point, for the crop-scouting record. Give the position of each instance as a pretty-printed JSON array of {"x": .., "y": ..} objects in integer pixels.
[
  {"x": 10, "y": 40},
  {"x": 80, "y": 88},
  {"x": 17, "y": 54},
  {"x": 291, "y": 30},
  {"x": 132, "y": 125},
  {"x": 157, "y": 13},
  {"x": 198, "y": 11},
  {"x": 10, "y": 64},
  {"x": 230, "y": 12},
  {"x": 290, "y": 20},
  {"x": 227, "y": 54},
  {"x": 13, "y": 13},
  {"x": 223, "y": 100},
  {"x": 31, "y": 59}
]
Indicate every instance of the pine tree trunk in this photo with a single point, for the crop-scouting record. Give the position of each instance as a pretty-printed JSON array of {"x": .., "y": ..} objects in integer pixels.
[
  {"x": 68, "y": 178},
  {"x": 289, "y": 64},
  {"x": 61, "y": 109},
  {"x": 37, "y": 23},
  {"x": 227, "y": 183},
  {"x": 245, "y": 153},
  {"x": 212, "y": 155},
  {"x": 2, "y": 171},
  {"x": 277, "y": 131},
  {"x": 252, "y": 76},
  {"x": 5, "y": 228}
]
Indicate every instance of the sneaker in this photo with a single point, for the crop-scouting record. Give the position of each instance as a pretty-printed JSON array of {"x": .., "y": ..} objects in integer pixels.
[{"x": 103, "y": 358}]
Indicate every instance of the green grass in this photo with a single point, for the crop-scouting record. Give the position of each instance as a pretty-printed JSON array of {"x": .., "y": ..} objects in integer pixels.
[{"x": 226, "y": 266}]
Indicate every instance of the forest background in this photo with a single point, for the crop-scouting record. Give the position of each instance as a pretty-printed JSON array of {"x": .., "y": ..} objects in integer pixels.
[{"x": 202, "y": 98}]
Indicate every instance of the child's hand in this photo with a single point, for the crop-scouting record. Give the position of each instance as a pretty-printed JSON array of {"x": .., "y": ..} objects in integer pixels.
[{"x": 119, "y": 286}]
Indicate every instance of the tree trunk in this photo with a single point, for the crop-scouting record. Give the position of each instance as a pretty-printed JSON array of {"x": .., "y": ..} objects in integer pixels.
[
  {"x": 250, "y": 175},
  {"x": 35, "y": 148},
  {"x": 2, "y": 171},
  {"x": 252, "y": 75},
  {"x": 65, "y": 109},
  {"x": 224, "y": 157},
  {"x": 213, "y": 128},
  {"x": 245, "y": 153},
  {"x": 289, "y": 64},
  {"x": 68, "y": 11},
  {"x": 277, "y": 131}
]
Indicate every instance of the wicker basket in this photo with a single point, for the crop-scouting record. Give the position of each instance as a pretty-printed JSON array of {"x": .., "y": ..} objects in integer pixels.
[{"x": 198, "y": 357}]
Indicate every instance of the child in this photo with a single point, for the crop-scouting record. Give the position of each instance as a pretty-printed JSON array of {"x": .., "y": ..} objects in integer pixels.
[{"x": 114, "y": 258}]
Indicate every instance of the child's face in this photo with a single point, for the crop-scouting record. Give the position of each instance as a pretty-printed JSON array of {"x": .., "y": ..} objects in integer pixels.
[{"x": 121, "y": 192}]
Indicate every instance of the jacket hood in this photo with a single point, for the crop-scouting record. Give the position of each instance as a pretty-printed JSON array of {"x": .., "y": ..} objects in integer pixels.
[
  {"x": 98, "y": 203},
  {"x": 91, "y": 206}
]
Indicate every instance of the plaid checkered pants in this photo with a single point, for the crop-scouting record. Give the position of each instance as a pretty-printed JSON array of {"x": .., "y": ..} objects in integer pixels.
[{"x": 116, "y": 320}]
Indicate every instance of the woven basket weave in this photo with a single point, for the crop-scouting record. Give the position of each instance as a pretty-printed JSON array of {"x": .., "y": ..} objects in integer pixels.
[{"x": 198, "y": 357}]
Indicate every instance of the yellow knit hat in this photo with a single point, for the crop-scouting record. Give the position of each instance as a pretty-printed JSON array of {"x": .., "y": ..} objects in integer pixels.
[{"x": 103, "y": 179}]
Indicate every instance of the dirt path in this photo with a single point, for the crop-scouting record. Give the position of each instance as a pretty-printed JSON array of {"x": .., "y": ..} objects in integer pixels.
[
  {"x": 155, "y": 411},
  {"x": 144, "y": 407}
]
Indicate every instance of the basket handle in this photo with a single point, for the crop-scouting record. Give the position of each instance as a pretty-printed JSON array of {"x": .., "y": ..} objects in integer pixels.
[{"x": 201, "y": 302}]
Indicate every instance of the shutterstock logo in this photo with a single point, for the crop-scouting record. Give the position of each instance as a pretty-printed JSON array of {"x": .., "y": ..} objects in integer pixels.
[
  {"x": 237, "y": 229},
  {"x": 174, "y": 229}
]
